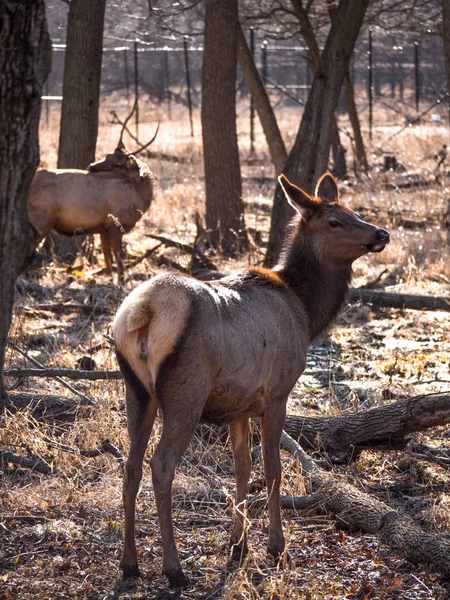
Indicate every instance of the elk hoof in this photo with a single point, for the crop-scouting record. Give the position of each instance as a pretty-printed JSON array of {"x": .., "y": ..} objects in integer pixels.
[
  {"x": 130, "y": 571},
  {"x": 177, "y": 580}
]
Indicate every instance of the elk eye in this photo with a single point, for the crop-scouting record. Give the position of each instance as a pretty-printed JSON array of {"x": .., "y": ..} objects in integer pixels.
[{"x": 334, "y": 224}]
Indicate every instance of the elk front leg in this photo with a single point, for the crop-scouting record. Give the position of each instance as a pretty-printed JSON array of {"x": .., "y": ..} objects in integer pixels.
[
  {"x": 240, "y": 434},
  {"x": 272, "y": 423}
]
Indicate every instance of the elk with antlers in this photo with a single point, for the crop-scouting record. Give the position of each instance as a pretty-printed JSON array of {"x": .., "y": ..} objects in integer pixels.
[
  {"x": 225, "y": 351},
  {"x": 108, "y": 198}
]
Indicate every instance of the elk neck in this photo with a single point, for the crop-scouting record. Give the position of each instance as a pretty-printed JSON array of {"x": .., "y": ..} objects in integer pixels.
[{"x": 321, "y": 287}]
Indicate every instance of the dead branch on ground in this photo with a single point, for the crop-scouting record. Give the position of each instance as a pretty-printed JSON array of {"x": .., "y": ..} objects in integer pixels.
[
  {"x": 397, "y": 300},
  {"x": 356, "y": 509},
  {"x": 85, "y": 400},
  {"x": 206, "y": 262},
  {"x": 34, "y": 464}
]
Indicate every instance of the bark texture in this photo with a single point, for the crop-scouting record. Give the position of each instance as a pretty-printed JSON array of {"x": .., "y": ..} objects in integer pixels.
[
  {"x": 446, "y": 38},
  {"x": 81, "y": 84},
  {"x": 224, "y": 205},
  {"x": 308, "y": 158},
  {"x": 25, "y": 59},
  {"x": 382, "y": 427},
  {"x": 263, "y": 107}
]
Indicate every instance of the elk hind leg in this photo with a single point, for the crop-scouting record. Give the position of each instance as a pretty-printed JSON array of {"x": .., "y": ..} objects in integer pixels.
[
  {"x": 106, "y": 248},
  {"x": 141, "y": 411},
  {"x": 240, "y": 434},
  {"x": 115, "y": 237},
  {"x": 182, "y": 406},
  {"x": 272, "y": 423}
]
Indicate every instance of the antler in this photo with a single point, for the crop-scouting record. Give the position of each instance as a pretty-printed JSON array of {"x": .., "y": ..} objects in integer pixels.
[
  {"x": 124, "y": 125},
  {"x": 147, "y": 144}
]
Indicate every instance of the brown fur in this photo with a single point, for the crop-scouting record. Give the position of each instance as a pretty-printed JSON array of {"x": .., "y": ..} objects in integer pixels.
[
  {"x": 109, "y": 198},
  {"x": 226, "y": 351}
]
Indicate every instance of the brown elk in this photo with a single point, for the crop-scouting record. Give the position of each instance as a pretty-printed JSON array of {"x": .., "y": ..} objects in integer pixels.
[
  {"x": 225, "y": 351},
  {"x": 108, "y": 198}
]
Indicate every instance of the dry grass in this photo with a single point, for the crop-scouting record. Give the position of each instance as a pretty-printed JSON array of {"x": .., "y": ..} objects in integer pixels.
[{"x": 60, "y": 535}]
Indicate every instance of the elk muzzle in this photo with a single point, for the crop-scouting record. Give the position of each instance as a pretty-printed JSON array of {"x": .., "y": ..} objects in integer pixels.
[{"x": 382, "y": 238}]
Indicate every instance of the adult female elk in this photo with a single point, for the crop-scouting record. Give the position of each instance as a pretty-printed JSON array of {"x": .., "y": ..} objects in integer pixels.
[
  {"x": 108, "y": 198},
  {"x": 229, "y": 350}
]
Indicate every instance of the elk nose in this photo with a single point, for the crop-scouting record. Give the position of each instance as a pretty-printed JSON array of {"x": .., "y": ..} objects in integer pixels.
[{"x": 382, "y": 235}]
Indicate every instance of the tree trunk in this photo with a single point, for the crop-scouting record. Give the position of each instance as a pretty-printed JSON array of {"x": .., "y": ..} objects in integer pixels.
[
  {"x": 81, "y": 85},
  {"x": 81, "y": 96},
  {"x": 446, "y": 39},
  {"x": 307, "y": 33},
  {"x": 263, "y": 107},
  {"x": 379, "y": 428},
  {"x": 224, "y": 205},
  {"x": 308, "y": 158},
  {"x": 25, "y": 59}
]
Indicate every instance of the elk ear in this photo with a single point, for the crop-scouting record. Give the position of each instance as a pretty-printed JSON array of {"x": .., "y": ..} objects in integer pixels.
[
  {"x": 326, "y": 189},
  {"x": 297, "y": 198}
]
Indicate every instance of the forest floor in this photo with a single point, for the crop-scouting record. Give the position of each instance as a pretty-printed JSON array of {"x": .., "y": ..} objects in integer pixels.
[{"x": 61, "y": 533}]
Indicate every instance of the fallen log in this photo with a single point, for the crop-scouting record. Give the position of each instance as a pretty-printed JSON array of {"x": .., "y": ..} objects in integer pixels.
[
  {"x": 67, "y": 307},
  {"x": 357, "y": 510},
  {"x": 84, "y": 399},
  {"x": 402, "y": 301},
  {"x": 379, "y": 428},
  {"x": 69, "y": 373},
  {"x": 24, "y": 461}
]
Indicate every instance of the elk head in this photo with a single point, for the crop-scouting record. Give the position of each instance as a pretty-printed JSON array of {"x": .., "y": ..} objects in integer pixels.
[{"x": 337, "y": 233}]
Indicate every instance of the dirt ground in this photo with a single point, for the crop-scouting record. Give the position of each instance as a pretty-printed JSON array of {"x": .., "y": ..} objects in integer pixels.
[{"x": 60, "y": 533}]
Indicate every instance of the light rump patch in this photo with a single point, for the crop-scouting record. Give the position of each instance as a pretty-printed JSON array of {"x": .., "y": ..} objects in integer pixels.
[{"x": 149, "y": 324}]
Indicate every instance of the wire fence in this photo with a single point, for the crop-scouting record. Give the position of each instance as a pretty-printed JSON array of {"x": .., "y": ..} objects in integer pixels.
[{"x": 406, "y": 79}]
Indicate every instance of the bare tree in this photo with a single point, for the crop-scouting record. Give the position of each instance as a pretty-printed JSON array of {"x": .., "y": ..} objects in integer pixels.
[
  {"x": 224, "y": 205},
  {"x": 25, "y": 58},
  {"x": 81, "y": 84},
  {"x": 308, "y": 158},
  {"x": 263, "y": 107}
]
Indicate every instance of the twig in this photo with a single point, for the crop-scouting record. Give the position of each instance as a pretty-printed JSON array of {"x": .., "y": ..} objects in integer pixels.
[
  {"x": 108, "y": 447},
  {"x": 86, "y": 453},
  {"x": 185, "y": 248},
  {"x": 70, "y": 373},
  {"x": 85, "y": 399},
  {"x": 144, "y": 256}
]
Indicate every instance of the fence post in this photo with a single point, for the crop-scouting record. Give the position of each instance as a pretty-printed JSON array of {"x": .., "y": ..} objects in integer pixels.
[
  {"x": 264, "y": 71},
  {"x": 136, "y": 86},
  {"x": 47, "y": 105},
  {"x": 252, "y": 104},
  {"x": 167, "y": 83},
  {"x": 370, "y": 84},
  {"x": 188, "y": 82},
  {"x": 125, "y": 72},
  {"x": 307, "y": 77},
  {"x": 417, "y": 73}
]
